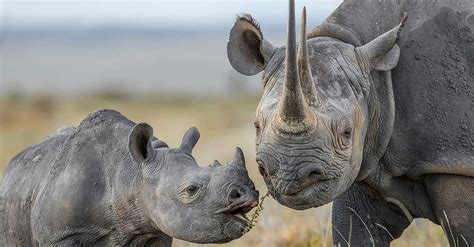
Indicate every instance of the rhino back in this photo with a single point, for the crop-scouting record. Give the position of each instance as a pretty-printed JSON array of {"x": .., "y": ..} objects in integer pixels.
[
  {"x": 21, "y": 181},
  {"x": 81, "y": 185},
  {"x": 71, "y": 192}
]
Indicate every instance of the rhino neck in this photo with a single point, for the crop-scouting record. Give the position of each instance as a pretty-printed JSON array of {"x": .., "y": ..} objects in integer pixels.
[
  {"x": 381, "y": 114},
  {"x": 133, "y": 223}
]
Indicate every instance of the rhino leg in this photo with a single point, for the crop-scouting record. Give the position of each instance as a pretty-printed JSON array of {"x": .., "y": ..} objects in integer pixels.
[
  {"x": 68, "y": 242},
  {"x": 159, "y": 242},
  {"x": 362, "y": 219},
  {"x": 451, "y": 197}
]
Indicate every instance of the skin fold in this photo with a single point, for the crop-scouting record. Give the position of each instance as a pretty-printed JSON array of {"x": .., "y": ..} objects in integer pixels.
[
  {"x": 110, "y": 182},
  {"x": 372, "y": 110}
]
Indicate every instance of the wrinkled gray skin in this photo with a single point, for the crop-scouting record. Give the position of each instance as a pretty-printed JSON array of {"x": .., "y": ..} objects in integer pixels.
[
  {"x": 109, "y": 182},
  {"x": 339, "y": 120}
]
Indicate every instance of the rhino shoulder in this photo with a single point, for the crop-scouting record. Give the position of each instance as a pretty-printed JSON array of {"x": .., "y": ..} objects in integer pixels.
[{"x": 102, "y": 116}]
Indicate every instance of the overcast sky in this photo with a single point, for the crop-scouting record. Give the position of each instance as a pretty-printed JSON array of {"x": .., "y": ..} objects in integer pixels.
[
  {"x": 158, "y": 12},
  {"x": 74, "y": 46}
]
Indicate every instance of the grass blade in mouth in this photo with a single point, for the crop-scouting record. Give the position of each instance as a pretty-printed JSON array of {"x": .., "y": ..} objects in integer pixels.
[{"x": 253, "y": 219}]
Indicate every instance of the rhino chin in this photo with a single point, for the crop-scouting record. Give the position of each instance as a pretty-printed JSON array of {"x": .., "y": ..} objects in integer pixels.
[
  {"x": 310, "y": 197},
  {"x": 234, "y": 230}
]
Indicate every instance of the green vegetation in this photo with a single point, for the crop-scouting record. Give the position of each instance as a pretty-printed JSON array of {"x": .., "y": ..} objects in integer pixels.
[{"x": 253, "y": 219}]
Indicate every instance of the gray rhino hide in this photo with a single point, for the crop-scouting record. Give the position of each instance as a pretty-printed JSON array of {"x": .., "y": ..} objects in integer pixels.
[
  {"x": 418, "y": 150},
  {"x": 432, "y": 114},
  {"x": 81, "y": 187}
]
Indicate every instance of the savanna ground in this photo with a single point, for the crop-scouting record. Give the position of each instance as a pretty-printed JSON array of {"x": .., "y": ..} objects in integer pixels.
[{"x": 224, "y": 123}]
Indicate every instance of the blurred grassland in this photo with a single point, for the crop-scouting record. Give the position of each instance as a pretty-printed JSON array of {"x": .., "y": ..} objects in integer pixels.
[{"x": 224, "y": 123}]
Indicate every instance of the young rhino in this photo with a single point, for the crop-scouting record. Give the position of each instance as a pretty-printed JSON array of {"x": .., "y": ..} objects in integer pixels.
[{"x": 110, "y": 182}]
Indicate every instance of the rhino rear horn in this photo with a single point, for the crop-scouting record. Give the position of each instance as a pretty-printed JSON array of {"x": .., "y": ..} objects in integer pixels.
[
  {"x": 304, "y": 66},
  {"x": 140, "y": 142},
  {"x": 382, "y": 53},
  {"x": 189, "y": 140}
]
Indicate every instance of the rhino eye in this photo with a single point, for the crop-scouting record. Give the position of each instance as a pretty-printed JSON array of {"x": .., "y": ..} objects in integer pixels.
[
  {"x": 348, "y": 132},
  {"x": 192, "y": 189},
  {"x": 257, "y": 127}
]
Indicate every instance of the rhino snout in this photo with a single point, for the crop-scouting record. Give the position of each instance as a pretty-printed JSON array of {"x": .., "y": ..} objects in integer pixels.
[{"x": 239, "y": 196}]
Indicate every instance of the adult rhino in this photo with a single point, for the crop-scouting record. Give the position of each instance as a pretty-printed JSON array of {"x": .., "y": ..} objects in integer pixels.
[
  {"x": 339, "y": 120},
  {"x": 110, "y": 182}
]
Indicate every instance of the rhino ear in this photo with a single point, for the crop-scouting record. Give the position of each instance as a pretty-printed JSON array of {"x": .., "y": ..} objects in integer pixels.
[
  {"x": 190, "y": 139},
  {"x": 382, "y": 53},
  {"x": 247, "y": 50},
  {"x": 140, "y": 142}
]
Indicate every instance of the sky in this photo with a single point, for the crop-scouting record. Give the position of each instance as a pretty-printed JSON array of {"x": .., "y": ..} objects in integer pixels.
[
  {"x": 176, "y": 46},
  {"x": 159, "y": 12}
]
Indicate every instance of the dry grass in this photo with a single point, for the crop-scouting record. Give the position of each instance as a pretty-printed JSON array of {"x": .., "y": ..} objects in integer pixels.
[{"x": 224, "y": 123}]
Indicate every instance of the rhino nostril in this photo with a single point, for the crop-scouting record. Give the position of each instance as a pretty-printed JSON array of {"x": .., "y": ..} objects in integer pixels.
[
  {"x": 261, "y": 170},
  {"x": 234, "y": 194},
  {"x": 313, "y": 175}
]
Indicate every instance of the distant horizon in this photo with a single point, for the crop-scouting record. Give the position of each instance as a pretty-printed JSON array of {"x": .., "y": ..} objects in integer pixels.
[{"x": 73, "y": 47}]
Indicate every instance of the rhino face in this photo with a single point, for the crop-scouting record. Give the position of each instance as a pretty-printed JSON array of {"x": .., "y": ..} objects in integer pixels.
[
  {"x": 189, "y": 202},
  {"x": 307, "y": 160},
  {"x": 312, "y": 119}
]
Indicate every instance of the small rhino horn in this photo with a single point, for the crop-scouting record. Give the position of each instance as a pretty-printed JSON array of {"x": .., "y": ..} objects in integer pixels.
[{"x": 215, "y": 164}]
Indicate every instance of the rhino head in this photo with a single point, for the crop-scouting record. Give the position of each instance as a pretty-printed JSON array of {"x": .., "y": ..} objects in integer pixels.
[
  {"x": 313, "y": 116},
  {"x": 186, "y": 201}
]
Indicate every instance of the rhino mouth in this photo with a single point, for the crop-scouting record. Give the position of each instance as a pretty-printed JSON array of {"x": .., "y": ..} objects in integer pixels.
[
  {"x": 313, "y": 195},
  {"x": 238, "y": 212}
]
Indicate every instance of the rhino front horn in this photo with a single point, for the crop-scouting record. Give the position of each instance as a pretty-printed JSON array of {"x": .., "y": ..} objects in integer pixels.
[
  {"x": 239, "y": 159},
  {"x": 189, "y": 140},
  {"x": 293, "y": 115}
]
